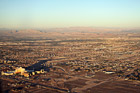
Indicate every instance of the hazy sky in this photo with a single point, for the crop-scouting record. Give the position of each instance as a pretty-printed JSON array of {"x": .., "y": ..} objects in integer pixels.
[{"x": 69, "y": 13}]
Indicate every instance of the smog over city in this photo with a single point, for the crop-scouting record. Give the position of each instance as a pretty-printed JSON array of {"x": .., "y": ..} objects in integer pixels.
[{"x": 69, "y": 46}]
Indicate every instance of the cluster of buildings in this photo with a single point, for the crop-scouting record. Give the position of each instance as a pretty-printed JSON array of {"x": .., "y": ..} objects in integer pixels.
[
  {"x": 67, "y": 60},
  {"x": 21, "y": 71}
]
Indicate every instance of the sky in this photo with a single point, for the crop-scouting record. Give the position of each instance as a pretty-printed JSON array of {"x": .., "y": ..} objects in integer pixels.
[{"x": 69, "y": 13}]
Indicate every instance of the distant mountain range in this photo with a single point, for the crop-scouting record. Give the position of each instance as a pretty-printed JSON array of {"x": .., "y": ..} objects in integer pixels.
[{"x": 64, "y": 32}]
